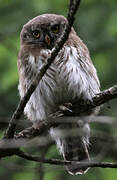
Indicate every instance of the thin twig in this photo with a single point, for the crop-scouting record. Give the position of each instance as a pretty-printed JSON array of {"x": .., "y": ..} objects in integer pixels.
[{"x": 39, "y": 170}]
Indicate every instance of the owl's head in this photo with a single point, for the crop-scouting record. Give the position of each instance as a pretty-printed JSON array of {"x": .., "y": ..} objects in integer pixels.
[{"x": 43, "y": 31}]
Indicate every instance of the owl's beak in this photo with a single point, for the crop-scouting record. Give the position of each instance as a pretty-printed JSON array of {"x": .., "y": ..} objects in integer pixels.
[{"x": 47, "y": 40}]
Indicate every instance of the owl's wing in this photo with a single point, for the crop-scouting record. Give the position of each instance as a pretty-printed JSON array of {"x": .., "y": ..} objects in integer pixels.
[{"x": 79, "y": 58}]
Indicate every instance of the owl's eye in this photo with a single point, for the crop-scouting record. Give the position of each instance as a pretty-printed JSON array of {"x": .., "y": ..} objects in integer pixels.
[
  {"x": 36, "y": 34},
  {"x": 55, "y": 28}
]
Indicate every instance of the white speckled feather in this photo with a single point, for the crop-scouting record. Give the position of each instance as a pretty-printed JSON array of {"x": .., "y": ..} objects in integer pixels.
[{"x": 66, "y": 81}]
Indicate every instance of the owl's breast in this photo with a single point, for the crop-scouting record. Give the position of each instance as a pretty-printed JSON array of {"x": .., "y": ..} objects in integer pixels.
[
  {"x": 44, "y": 99},
  {"x": 69, "y": 78}
]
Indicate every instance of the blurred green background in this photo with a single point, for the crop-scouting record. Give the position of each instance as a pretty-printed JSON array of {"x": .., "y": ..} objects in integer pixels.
[{"x": 96, "y": 24}]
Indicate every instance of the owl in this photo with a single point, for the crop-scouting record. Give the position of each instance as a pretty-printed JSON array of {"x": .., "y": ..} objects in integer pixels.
[{"x": 71, "y": 78}]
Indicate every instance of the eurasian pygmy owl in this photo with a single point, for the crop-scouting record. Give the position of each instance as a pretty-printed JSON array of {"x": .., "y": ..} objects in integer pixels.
[{"x": 71, "y": 77}]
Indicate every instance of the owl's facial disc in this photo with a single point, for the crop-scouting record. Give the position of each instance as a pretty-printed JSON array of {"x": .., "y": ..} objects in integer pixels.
[{"x": 43, "y": 31}]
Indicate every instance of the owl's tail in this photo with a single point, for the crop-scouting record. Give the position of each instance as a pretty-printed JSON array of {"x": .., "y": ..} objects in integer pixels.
[
  {"x": 73, "y": 146},
  {"x": 75, "y": 150}
]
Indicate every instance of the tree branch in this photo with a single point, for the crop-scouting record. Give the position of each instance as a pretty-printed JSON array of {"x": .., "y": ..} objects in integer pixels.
[
  {"x": 103, "y": 97},
  {"x": 62, "y": 162},
  {"x": 77, "y": 109}
]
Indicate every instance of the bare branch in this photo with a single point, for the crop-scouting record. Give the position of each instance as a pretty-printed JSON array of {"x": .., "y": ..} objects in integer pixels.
[
  {"x": 77, "y": 110},
  {"x": 103, "y": 97},
  {"x": 62, "y": 162}
]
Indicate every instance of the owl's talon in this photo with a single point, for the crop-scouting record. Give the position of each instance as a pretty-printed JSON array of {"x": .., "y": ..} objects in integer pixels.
[{"x": 64, "y": 108}]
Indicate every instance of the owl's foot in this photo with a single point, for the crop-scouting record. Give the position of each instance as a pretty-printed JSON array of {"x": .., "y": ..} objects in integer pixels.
[
  {"x": 65, "y": 107},
  {"x": 61, "y": 110}
]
